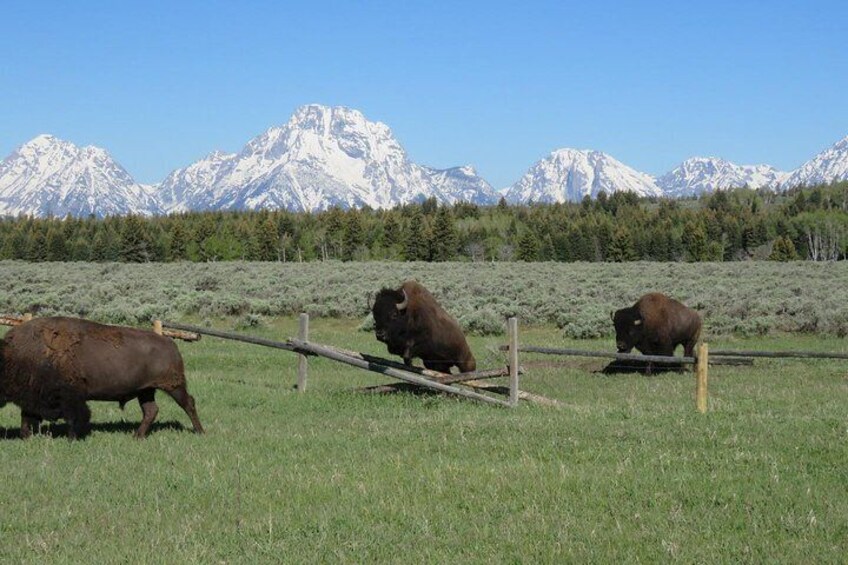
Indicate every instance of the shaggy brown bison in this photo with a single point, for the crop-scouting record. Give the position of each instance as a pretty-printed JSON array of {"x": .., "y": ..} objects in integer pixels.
[
  {"x": 656, "y": 325},
  {"x": 412, "y": 324},
  {"x": 52, "y": 366}
]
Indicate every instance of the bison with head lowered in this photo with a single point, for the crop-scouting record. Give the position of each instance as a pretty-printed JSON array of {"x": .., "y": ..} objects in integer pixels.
[
  {"x": 656, "y": 325},
  {"x": 50, "y": 367},
  {"x": 412, "y": 324}
]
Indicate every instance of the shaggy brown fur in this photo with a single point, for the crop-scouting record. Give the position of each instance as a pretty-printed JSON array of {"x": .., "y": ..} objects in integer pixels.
[
  {"x": 423, "y": 329},
  {"x": 656, "y": 325},
  {"x": 52, "y": 366}
]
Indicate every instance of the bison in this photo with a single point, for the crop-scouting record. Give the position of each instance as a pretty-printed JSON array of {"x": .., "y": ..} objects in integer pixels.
[
  {"x": 656, "y": 325},
  {"x": 412, "y": 324},
  {"x": 50, "y": 368}
]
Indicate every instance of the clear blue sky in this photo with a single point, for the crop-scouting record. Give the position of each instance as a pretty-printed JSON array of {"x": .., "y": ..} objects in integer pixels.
[{"x": 496, "y": 85}]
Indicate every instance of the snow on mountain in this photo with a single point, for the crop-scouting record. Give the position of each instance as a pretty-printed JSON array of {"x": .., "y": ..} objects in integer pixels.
[
  {"x": 571, "y": 174},
  {"x": 707, "y": 174},
  {"x": 194, "y": 181},
  {"x": 828, "y": 166},
  {"x": 322, "y": 157},
  {"x": 50, "y": 176}
]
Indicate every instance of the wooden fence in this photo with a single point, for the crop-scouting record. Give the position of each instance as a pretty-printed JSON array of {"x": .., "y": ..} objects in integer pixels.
[
  {"x": 442, "y": 382},
  {"x": 700, "y": 362}
]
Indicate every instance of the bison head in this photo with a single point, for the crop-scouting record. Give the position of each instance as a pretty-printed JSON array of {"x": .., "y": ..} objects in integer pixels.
[
  {"x": 389, "y": 312},
  {"x": 628, "y": 328}
]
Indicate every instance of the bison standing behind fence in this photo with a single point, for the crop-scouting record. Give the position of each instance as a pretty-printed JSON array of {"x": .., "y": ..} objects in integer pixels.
[
  {"x": 656, "y": 325},
  {"x": 52, "y": 366}
]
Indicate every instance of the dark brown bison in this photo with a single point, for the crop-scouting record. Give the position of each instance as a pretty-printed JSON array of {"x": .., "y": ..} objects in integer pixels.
[
  {"x": 412, "y": 324},
  {"x": 656, "y": 325},
  {"x": 52, "y": 366}
]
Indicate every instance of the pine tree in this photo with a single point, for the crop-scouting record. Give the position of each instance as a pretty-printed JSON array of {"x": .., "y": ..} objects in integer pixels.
[
  {"x": 391, "y": 231},
  {"x": 56, "y": 248},
  {"x": 783, "y": 250},
  {"x": 266, "y": 241},
  {"x": 16, "y": 244},
  {"x": 100, "y": 246},
  {"x": 621, "y": 246},
  {"x": 354, "y": 236},
  {"x": 415, "y": 246},
  {"x": 528, "y": 246},
  {"x": 136, "y": 243},
  {"x": 695, "y": 240},
  {"x": 177, "y": 244},
  {"x": 444, "y": 241},
  {"x": 36, "y": 245}
]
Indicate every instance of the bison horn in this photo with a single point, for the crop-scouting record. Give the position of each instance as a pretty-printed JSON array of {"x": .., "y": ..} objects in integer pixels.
[
  {"x": 637, "y": 323},
  {"x": 403, "y": 305},
  {"x": 612, "y": 315}
]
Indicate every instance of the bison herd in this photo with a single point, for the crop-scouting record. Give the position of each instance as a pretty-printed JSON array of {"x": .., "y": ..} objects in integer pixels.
[{"x": 51, "y": 367}]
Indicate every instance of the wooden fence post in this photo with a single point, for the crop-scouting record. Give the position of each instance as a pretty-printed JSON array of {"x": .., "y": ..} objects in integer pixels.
[
  {"x": 701, "y": 378},
  {"x": 27, "y": 316},
  {"x": 512, "y": 330},
  {"x": 157, "y": 327},
  {"x": 302, "y": 360}
]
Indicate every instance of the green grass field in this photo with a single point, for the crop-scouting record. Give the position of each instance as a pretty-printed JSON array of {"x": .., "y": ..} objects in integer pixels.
[{"x": 627, "y": 470}]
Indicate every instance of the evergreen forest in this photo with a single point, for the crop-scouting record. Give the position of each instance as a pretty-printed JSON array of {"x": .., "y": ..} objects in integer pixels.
[{"x": 806, "y": 223}]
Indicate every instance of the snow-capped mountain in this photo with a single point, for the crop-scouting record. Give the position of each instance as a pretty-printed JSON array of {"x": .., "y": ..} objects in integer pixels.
[
  {"x": 195, "y": 181},
  {"x": 571, "y": 174},
  {"x": 333, "y": 156},
  {"x": 50, "y": 176},
  {"x": 828, "y": 166},
  {"x": 707, "y": 174},
  {"x": 322, "y": 157}
]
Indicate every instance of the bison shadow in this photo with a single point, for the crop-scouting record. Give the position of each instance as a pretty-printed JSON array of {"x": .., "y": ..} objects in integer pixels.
[
  {"x": 619, "y": 366},
  {"x": 60, "y": 429}
]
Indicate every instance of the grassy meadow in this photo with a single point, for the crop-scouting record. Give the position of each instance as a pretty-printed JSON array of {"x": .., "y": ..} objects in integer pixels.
[{"x": 626, "y": 470}]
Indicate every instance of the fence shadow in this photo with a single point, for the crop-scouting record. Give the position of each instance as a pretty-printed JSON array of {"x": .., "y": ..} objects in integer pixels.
[
  {"x": 61, "y": 429},
  {"x": 619, "y": 366}
]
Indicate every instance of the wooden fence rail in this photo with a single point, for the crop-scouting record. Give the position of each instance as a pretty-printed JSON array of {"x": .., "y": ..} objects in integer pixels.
[
  {"x": 779, "y": 354},
  {"x": 415, "y": 375},
  {"x": 403, "y": 375},
  {"x": 603, "y": 354}
]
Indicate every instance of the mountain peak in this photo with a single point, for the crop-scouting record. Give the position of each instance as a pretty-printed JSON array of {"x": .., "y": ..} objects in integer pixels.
[
  {"x": 830, "y": 165},
  {"x": 568, "y": 174},
  {"x": 697, "y": 175},
  {"x": 322, "y": 157},
  {"x": 48, "y": 175}
]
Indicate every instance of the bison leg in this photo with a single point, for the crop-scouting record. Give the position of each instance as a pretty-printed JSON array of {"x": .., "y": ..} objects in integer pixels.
[
  {"x": 30, "y": 423},
  {"x": 146, "y": 399},
  {"x": 78, "y": 417},
  {"x": 186, "y": 402}
]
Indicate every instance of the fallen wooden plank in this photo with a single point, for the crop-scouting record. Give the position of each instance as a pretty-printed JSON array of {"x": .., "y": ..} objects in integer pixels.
[
  {"x": 404, "y": 375},
  {"x": 489, "y": 387},
  {"x": 444, "y": 378}
]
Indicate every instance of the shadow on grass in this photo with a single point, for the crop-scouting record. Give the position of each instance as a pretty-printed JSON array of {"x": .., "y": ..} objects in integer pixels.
[
  {"x": 61, "y": 429},
  {"x": 618, "y": 366}
]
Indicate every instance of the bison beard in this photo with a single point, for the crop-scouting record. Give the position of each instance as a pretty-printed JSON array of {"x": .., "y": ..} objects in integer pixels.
[
  {"x": 412, "y": 324},
  {"x": 52, "y": 366}
]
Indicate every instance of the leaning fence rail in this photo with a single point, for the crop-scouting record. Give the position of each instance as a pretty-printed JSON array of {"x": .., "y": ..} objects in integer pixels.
[{"x": 421, "y": 377}]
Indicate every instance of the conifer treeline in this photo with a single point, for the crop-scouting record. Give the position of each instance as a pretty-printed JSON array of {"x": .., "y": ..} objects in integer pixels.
[{"x": 805, "y": 223}]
